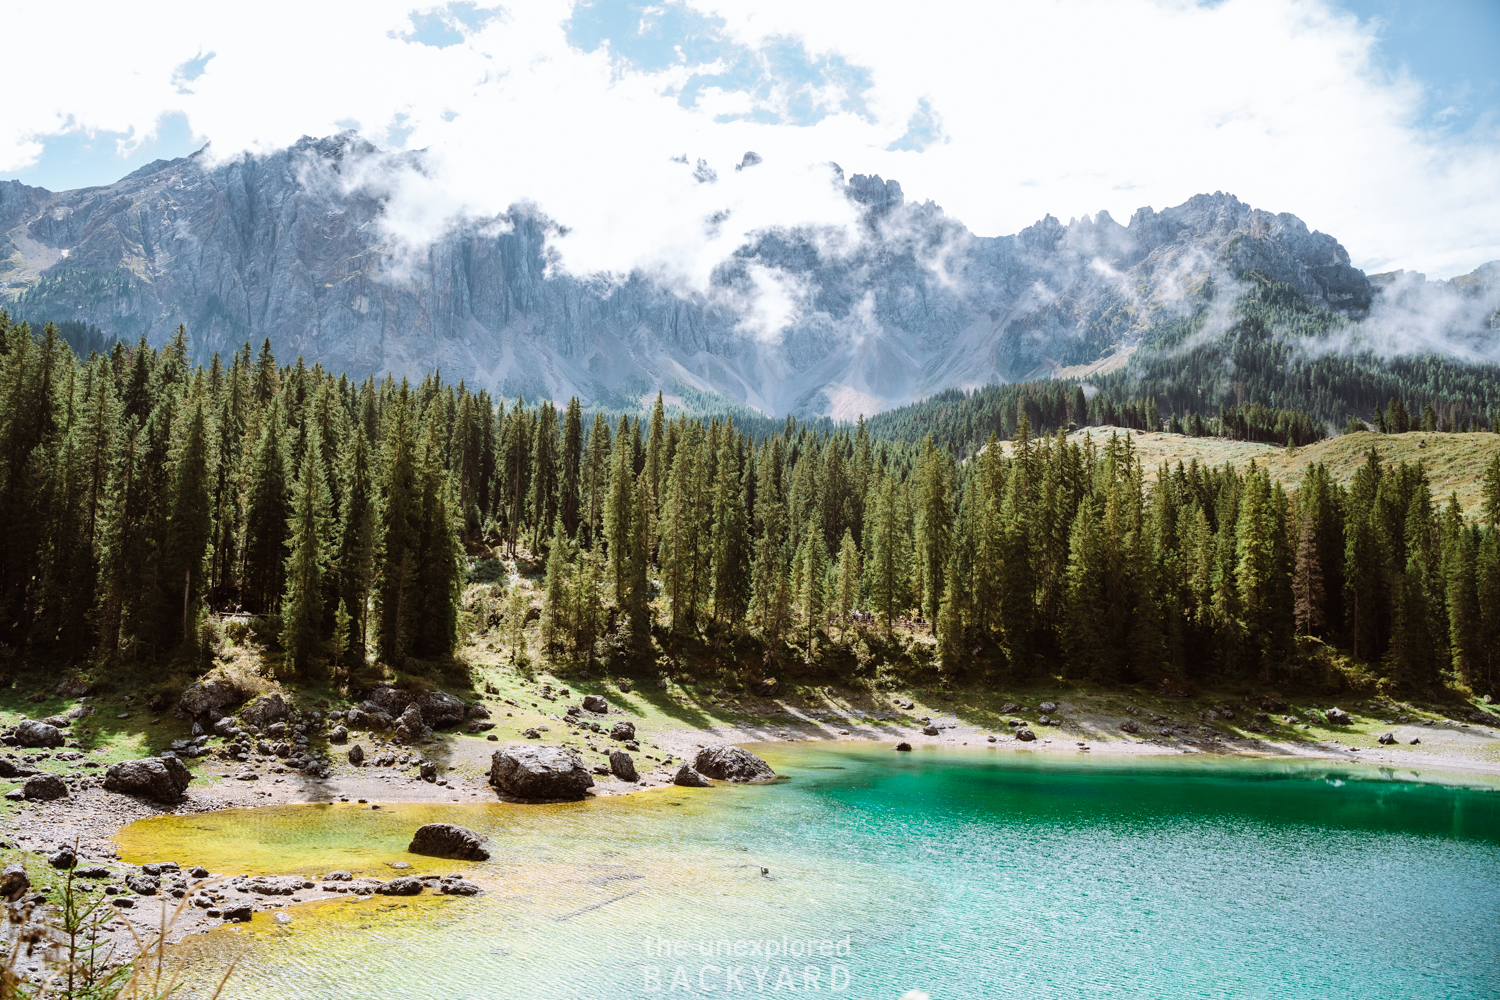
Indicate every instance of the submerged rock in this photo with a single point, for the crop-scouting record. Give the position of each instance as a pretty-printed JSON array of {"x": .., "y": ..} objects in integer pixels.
[
  {"x": 689, "y": 778},
  {"x": 163, "y": 779},
  {"x": 406, "y": 885},
  {"x": 448, "y": 840},
  {"x": 906, "y": 747},
  {"x": 539, "y": 773},
  {"x": 454, "y": 885},
  {"x": 731, "y": 763}
]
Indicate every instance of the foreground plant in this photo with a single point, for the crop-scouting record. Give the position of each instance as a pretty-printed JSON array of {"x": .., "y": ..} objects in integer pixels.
[{"x": 82, "y": 959}]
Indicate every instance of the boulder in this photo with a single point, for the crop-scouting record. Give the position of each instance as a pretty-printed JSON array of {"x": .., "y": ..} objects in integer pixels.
[
  {"x": 1337, "y": 716},
  {"x": 905, "y": 747},
  {"x": 92, "y": 871},
  {"x": 440, "y": 709},
  {"x": 237, "y": 914},
  {"x": 730, "y": 763},
  {"x": 143, "y": 885},
  {"x": 448, "y": 840},
  {"x": 1386, "y": 739},
  {"x": 368, "y": 718},
  {"x": 1047, "y": 706},
  {"x": 452, "y": 885},
  {"x": 1271, "y": 703},
  {"x": 14, "y": 881},
  {"x": 338, "y": 735},
  {"x": 225, "y": 727},
  {"x": 767, "y": 688},
  {"x": 406, "y": 885},
  {"x": 622, "y": 766},
  {"x": 73, "y": 687},
  {"x": 35, "y": 735},
  {"x": 1025, "y": 735},
  {"x": 595, "y": 703},
  {"x": 1130, "y": 726},
  {"x": 44, "y": 788},
  {"x": 275, "y": 885},
  {"x": 931, "y": 731},
  {"x": 1415, "y": 741},
  {"x": 390, "y": 700},
  {"x": 480, "y": 725},
  {"x": 57, "y": 721},
  {"x": 411, "y": 727},
  {"x": 338, "y": 876},
  {"x": 539, "y": 773},
  {"x": 428, "y": 771},
  {"x": 622, "y": 731},
  {"x": 9, "y": 769},
  {"x": 356, "y": 755},
  {"x": 263, "y": 711},
  {"x": 163, "y": 779},
  {"x": 64, "y": 858},
  {"x": 689, "y": 778},
  {"x": 203, "y": 697}
]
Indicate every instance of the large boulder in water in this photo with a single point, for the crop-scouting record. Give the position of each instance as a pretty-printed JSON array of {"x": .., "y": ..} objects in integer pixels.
[
  {"x": 689, "y": 778},
  {"x": 448, "y": 840},
  {"x": 539, "y": 773},
  {"x": 35, "y": 735},
  {"x": 729, "y": 763},
  {"x": 162, "y": 779}
]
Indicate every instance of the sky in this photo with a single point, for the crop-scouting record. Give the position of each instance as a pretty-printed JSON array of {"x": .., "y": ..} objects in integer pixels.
[{"x": 1377, "y": 121}]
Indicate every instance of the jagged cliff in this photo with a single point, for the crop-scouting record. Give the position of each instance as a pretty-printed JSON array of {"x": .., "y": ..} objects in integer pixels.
[{"x": 913, "y": 303}]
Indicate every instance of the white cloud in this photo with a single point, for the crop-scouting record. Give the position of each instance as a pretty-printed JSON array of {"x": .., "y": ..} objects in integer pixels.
[{"x": 1065, "y": 107}]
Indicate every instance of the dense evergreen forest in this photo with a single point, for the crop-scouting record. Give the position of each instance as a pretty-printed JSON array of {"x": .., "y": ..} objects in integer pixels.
[{"x": 139, "y": 494}]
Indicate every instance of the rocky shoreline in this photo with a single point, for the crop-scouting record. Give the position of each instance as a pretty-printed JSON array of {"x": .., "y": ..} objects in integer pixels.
[{"x": 278, "y": 756}]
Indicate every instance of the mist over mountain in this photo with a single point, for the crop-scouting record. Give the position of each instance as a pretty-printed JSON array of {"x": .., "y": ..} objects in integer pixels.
[{"x": 298, "y": 246}]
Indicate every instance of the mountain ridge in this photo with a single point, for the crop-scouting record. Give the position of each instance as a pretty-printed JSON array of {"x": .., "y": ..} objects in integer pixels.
[{"x": 284, "y": 245}]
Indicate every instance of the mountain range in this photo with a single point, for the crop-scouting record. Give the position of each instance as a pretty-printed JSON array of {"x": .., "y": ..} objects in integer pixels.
[{"x": 908, "y": 304}]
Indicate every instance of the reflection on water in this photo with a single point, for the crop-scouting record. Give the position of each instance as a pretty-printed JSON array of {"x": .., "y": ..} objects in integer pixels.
[{"x": 869, "y": 873}]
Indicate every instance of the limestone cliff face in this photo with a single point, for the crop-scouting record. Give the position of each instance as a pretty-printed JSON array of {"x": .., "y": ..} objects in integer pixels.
[{"x": 277, "y": 246}]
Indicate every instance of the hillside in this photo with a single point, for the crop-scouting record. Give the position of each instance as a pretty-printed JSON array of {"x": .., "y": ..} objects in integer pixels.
[{"x": 1454, "y": 462}]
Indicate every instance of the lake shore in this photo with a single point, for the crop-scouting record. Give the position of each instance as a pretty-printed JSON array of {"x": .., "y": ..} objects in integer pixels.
[{"x": 92, "y": 817}]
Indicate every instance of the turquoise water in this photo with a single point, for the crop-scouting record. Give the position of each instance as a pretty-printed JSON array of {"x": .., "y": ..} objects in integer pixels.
[{"x": 957, "y": 874}]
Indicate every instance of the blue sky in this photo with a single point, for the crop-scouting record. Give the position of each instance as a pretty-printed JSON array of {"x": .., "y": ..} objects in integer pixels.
[{"x": 1376, "y": 120}]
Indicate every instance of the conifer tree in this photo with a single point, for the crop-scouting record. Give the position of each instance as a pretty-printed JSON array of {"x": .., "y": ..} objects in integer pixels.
[
  {"x": 267, "y": 511},
  {"x": 570, "y": 497},
  {"x": 189, "y": 528},
  {"x": 847, "y": 578},
  {"x": 307, "y": 561}
]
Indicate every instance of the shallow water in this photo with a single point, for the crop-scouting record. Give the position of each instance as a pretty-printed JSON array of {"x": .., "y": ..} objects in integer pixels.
[{"x": 959, "y": 873}]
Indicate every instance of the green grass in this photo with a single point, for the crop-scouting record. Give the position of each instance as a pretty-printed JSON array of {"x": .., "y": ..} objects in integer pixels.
[{"x": 1454, "y": 462}]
